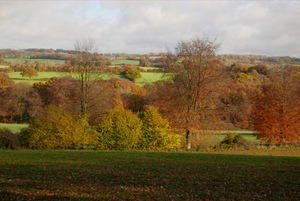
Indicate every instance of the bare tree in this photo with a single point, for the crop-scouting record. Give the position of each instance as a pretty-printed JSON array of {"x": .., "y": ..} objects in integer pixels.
[
  {"x": 197, "y": 73},
  {"x": 87, "y": 69}
]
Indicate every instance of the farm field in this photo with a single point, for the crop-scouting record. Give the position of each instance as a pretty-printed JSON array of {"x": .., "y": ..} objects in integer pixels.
[
  {"x": 147, "y": 77},
  {"x": 119, "y": 62},
  {"x": 94, "y": 175},
  {"x": 42, "y": 75},
  {"x": 56, "y": 61},
  {"x": 22, "y": 60},
  {"x": 15, "y": 128},
  {"x": 250, "y": 136}
]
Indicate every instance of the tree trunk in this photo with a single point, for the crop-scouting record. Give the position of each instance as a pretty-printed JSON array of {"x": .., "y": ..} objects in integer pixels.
[{"x": 188, "y": 143}]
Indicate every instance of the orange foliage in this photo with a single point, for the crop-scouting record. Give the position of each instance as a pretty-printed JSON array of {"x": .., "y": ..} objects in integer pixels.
[{"x": 277, "y": 108}]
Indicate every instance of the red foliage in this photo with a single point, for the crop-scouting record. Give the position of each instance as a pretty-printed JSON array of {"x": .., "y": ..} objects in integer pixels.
[{"x": 277, "y": 108}]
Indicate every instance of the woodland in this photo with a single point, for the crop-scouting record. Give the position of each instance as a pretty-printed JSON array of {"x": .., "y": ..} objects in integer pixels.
[{"x": 203, "y": 92}]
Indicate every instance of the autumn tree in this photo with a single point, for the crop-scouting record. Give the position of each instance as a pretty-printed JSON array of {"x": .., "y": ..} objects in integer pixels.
[
  {"x": 29, "y": 72},
  {"x": 144, "y": 61},
  {"x": 132, "y": 73},
  {"x": 120, "y": 129},
  {"x": 19, "y": 103},
  {"x": 62, "y": 92},
  {"x": 157, "y": 132},
  {"x": 57, "y": 129},
  {"x": 277, "y": 107},
  {"x": 196, "y": 72},
  {"x": 86, "y": 69},
  {"x": 127, "y": 94},
  {"x": 5, "y": 81},
  {"x": 103, "y": 96},
  {"x": 236, "y": 106}
]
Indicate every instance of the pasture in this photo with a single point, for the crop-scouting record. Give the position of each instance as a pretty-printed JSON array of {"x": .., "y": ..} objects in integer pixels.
[
  {"x": 15, "y": 128},
  {"x": 22, "y": 60},
  {"x": 131, "y": 62},
  {"x": 147, "y": 77},
  {"x": 94, "y": 175},
  {"x": 43, "y": 76},
  {"x": 56, "y": 61}
]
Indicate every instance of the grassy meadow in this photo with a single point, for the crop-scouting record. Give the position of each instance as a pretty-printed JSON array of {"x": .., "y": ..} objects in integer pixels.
[
  {"x": 22, "y": 60},
  {"x": 15, "y": 128},
  {"x": 147, "y": 77},
  {"x": 93, "y": 175},
  {"x": 43, "y": 76},
  {"x": 125, "y": 61}
]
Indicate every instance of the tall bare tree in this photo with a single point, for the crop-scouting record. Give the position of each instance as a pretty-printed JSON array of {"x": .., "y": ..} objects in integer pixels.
[
  {"x": 197, "y": 73},
  {"x": 87, "y": 69}
]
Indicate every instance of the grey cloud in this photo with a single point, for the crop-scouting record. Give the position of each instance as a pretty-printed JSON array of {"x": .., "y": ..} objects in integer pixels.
[{"x": 256, "y": 27}]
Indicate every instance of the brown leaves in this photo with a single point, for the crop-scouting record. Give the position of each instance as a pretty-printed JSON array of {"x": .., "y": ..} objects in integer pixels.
[{"x": 277, "y": 108}]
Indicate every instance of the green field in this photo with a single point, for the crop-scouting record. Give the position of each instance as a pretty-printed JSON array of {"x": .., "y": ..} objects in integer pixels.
[
  {"x": 43, "y": 76},
  {"x": 91, "y": 175},
  {"x": 22, "y": 60},
  {"x": 147, "y": 77},
  {"x": 15, "y": 128},
  {"x": 120, "y": 62},
  {"x": 250, "y": 136}
]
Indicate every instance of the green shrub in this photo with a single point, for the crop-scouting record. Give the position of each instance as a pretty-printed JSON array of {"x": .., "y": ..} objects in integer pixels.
[
  {"x": 57, "y": 129},
  {"x": 234, "y": 140},
  {"x": 119, "y": 130},
  {"x": 8, "y": 140},
  {"x": 157, "y": 132},
  {"x": 132, "y": 73}
]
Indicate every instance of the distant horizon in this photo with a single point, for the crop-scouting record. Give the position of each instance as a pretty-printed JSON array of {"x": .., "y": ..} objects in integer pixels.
[{"x": 55, "y": 49}]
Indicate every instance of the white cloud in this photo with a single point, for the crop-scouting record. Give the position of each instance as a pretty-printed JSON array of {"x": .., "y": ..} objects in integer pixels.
[{"x": 257, "y": 27}]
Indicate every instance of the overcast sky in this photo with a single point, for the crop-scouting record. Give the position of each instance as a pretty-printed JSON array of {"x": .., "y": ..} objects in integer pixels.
[{"x": 131, "y": 26}]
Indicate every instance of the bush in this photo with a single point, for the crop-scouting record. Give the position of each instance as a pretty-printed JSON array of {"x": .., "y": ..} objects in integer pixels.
[
  {"x": 8, "y": 140},
  {"x": 157, "y": 132},
  {"x": 119, "y": 130},
  {"x": 5, "y": 80},
  {"x": 57, "y": 129},
  {"x": 132, "y": 73},
  {"x": 234, "y": 140}
]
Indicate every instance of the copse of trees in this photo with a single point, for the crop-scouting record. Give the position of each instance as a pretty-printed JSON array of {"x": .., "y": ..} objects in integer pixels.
[
  {"x": 277, "y": 107},
  {"x": 57, "y": 129},
  {"x": 119, "y": 129},
  {"x": 19, "y": 103}
]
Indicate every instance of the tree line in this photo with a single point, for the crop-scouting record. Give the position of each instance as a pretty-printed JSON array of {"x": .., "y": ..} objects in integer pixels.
[{"x": 202, "y": 94}]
